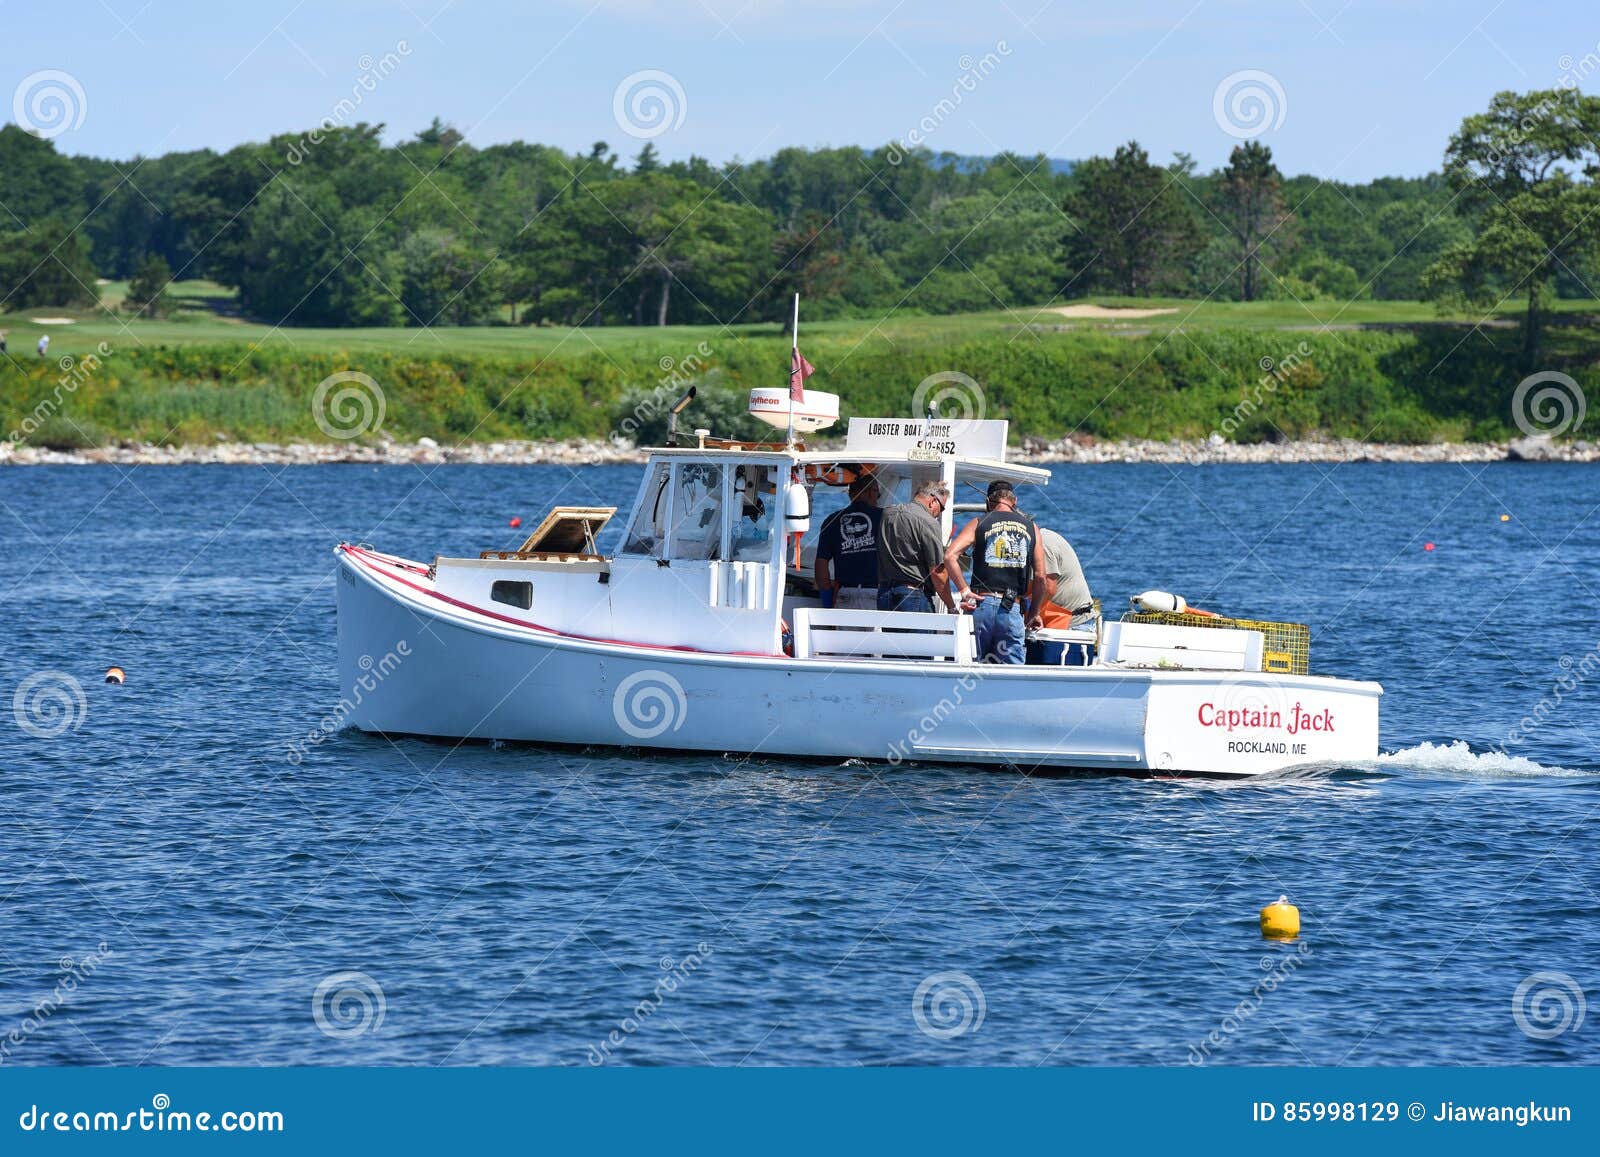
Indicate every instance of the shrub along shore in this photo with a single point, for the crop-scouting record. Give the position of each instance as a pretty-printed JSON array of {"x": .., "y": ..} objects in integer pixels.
[
  {"x": 581, "y": 452},
  {"x": 1230, "y": 394}
]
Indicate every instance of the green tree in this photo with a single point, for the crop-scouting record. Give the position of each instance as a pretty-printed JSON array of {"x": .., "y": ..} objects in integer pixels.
[
  {"x": 335, "y": 227},
  {"x": 680, "y": 235},
  {"x": 46, "y": 264},
  {"x": 1250, "y": 204},
  {"x": 1414, "y": 232},
  {"x": 984, "y": 249},
  {"x": 147, "y": 289},
  {"x": 571, "y": 261},
  {"x": 1316, "y": 275},
  {"x": 446, "y": 281},
  {"x": 309, "y": 261},
  {"x": 811, "y": 261},
  {"x": 35, "y": 181},
  {"x": 1524, "y": 173},
  {"x": 1134, "y": 230}
]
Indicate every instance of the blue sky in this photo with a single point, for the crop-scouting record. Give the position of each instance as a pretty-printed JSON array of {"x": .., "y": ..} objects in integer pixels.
[{"x": 1353, "y": 90}]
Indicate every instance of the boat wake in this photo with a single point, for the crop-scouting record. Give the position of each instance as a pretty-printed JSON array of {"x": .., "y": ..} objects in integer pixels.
[{"x": 1458, "y": 758}]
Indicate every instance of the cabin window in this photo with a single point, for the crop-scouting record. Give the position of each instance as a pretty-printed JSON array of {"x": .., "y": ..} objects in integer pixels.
[
  {"x": 755, "y": 510},
  {"x": 697, "y": 512},
  {"x": 513, "y": 594},
  {"x": 705, "y": 511},
  {"x": 648, "y": 534}
]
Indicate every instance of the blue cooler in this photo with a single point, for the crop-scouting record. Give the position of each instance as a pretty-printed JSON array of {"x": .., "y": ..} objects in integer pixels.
[{"x": 1056, "y": 648}]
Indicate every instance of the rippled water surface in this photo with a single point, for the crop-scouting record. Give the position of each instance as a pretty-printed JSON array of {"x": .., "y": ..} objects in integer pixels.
[{"x": 507, "y": 904}]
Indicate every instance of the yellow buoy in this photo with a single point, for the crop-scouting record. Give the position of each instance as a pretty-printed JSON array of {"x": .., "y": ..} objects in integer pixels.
[
  {"x": 115, "y": 675},
  {"x": 1280, "y": 920},
  {"x": 1505, "y": 518}
]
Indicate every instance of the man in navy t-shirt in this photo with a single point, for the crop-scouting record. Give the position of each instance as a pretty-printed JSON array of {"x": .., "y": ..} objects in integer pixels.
[{"x": 847, "y": 551}]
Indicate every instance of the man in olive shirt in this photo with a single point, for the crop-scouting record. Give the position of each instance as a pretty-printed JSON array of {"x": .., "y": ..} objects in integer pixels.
[
  {"x": 1068, "y": 602},
  {"x": 911, "y": 564}
]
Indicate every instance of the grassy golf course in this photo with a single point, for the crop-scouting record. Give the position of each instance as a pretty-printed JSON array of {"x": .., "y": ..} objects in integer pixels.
[{"x": 1107, "y": 367}]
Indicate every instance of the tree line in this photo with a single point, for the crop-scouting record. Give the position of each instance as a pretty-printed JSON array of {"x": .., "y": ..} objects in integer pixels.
[{"x": 432, "y": 230}]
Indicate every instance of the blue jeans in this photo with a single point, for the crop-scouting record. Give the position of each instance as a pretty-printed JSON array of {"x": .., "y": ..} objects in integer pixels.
[
  {"x": 903, "y": 599},
  {"x": 999, "y": 635}
]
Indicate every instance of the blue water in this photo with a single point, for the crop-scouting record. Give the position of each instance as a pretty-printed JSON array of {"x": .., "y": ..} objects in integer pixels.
[{"x": 518, "y": 906}]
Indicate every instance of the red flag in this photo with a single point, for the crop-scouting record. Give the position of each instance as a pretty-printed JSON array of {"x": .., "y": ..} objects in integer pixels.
[{"x": 799, "y": 371}]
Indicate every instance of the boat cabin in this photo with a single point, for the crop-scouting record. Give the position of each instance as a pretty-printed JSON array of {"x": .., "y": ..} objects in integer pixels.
[{"x": 716, "y": 554}]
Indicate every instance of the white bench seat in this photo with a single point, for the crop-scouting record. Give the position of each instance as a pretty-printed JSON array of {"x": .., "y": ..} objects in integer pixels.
[{"x": 837, "y": 634}]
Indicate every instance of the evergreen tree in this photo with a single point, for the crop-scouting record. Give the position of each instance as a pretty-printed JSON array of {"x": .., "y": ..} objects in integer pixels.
[
  {"x": 1250, "y": 203},
  {"x": 1134, "y": 231},
  {"x": 147, "y": 289}
]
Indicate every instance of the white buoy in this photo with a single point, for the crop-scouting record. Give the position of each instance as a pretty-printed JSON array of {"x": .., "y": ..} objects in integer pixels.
[
  {"x": 797, "y": 509},
  {"x": 1154, "y": 601}
]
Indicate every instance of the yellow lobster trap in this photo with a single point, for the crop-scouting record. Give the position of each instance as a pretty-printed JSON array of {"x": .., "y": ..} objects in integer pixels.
[{"x": 1287, "y": 648}]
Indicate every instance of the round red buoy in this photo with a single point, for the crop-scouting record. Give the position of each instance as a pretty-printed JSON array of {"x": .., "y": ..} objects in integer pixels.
[
  {"x": 1427, "y": 546},
  {"x": 516, "y": 522}
]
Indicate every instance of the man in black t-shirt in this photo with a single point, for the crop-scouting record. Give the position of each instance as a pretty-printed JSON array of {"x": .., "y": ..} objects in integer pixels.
[
  {"x": 1007, "y": 567},
  {"x": 846, "y": 569}
]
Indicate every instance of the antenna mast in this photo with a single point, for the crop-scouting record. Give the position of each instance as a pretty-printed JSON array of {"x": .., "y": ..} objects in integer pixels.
[{"x": 794, "y": 368}]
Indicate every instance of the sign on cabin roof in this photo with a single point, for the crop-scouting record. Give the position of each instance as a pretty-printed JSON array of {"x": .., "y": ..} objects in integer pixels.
[{"x": 917, "y": 437}]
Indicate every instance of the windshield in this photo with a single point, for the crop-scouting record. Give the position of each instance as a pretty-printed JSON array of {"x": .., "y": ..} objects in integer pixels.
[{"x": 755, "y": 502}]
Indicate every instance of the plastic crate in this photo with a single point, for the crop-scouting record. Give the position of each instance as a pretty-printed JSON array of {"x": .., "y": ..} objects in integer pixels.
[{"x": 1288, "y": 645}]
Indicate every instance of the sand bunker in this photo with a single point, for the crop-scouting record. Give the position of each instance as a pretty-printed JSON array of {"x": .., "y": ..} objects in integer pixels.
[
  {"x": 1108, "y": 313},
  {"x": 54, "y": 320}
]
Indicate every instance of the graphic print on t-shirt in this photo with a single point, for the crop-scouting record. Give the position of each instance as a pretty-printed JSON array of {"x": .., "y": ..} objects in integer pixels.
[
  {"x": 1006, "y": 546},
  {"x": 1003, "y": 553},
  {"x": 850, "y": 539},
  {"x": 855, "y": 533}
]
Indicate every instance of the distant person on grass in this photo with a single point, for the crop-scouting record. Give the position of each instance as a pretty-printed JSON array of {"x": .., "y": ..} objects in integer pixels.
[{"x": 44, "y": 345}]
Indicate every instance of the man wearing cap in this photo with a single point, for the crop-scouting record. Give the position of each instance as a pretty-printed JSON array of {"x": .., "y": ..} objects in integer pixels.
[
  {"x": 1007, "y": 566},
  {"x": 846, "y": 569},
  {"x": 1068, "y": 602},
  {"x": 911, "y": 559}
]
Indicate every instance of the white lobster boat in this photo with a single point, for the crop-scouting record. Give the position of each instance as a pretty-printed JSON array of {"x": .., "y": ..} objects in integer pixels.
[{"x": 696, "y": 635}]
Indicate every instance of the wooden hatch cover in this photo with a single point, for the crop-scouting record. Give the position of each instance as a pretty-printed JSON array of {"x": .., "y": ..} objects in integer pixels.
[{"x": 567, "y": 530}]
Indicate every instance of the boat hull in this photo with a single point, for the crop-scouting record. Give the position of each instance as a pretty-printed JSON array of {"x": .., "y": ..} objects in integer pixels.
[{"x": 412, "y": 663}]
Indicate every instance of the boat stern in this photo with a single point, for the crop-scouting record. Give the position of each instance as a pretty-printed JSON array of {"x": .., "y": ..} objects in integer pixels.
[{"x": 1251, "y": 724}]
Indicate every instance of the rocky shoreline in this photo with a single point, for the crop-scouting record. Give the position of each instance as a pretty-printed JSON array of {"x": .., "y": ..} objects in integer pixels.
[{"x": 1036, "y": 451}]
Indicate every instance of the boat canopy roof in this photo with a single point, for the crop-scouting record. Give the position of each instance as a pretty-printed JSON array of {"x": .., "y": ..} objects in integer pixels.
[
  {"x": 968, "y": 470},
  {"x": 977, "y": 471}
]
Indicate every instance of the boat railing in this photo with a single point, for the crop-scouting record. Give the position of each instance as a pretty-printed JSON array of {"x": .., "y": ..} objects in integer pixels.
[{"x": 839, "y": 634}]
